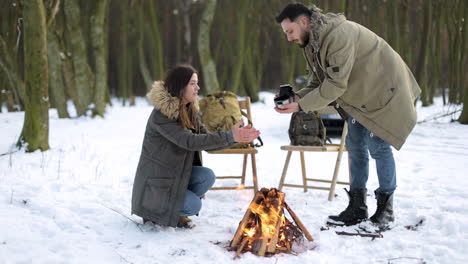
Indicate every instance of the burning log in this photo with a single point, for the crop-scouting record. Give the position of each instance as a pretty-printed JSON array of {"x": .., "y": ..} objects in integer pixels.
[{"x": 264, "y": 229}]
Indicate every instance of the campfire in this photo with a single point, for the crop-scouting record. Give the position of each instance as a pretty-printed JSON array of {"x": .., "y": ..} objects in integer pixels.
[{"x": 265, "y": 230}]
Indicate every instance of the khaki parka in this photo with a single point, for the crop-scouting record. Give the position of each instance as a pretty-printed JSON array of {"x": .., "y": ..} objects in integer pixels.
[
  {"x": 365, "y": 77},
  {"x": 166, "y": 160}
]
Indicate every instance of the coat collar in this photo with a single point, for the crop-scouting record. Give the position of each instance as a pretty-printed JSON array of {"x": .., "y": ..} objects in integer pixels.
[{"x": 164, "y": 101}]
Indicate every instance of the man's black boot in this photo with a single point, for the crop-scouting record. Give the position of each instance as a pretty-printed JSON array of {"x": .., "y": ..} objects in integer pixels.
[
  {"x": 356, "y": 210},
  {"x": 384, "y": 213}
]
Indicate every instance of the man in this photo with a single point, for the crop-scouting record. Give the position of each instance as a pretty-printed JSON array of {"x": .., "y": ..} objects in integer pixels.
[{"x": 371, "y": 87}]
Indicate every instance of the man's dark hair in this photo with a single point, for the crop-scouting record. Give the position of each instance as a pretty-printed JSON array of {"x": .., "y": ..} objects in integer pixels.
[{"x": 293, "y": 11}]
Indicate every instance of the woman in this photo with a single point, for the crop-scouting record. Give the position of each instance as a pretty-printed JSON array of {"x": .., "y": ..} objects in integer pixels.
[{"x": 170, "y": 179}]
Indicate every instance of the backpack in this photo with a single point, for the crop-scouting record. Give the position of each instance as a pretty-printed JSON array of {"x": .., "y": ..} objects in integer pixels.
[
  {"x": 307, "y": 129},
  {"x": 221, "y": 111}
]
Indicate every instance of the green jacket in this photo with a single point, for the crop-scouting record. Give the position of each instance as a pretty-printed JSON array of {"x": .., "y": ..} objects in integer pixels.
[
  {"x": 365, "y": 77},
  {"x": 166, "y": 160}
]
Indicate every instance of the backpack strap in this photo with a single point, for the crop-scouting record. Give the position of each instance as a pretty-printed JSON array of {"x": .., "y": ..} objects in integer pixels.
[{"x": 256, "y": 145}]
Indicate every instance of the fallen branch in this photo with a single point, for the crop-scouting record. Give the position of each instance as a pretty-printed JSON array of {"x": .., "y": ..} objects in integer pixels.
[
  {"x": 8, "y": 153},
  {"x": 112, "y": 209},
  {"x": 422, "y": 260},
  {"x": 439, "y": 116},
  {"x": 373, "y": 235}
]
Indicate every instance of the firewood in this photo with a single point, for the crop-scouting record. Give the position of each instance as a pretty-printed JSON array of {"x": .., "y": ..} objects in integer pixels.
[
  {"x": 264, "y": 230},
  {"x": 241, "y": 247},
  {"x": 298, "y": 222},
  {"x": 240, "y": 230},
  {"x": 272, "y": 246},
  {"x": 263, "y": 245}
]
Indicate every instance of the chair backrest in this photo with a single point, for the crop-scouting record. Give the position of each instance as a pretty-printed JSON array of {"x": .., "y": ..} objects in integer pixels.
[{"x": 244, "y": 104}]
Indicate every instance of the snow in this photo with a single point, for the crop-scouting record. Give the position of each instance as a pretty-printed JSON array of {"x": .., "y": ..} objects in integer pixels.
[{"x": 71, "y": 204}]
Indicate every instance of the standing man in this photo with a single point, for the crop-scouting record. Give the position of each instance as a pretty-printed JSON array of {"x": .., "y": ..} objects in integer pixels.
[{"x": 370, "y": 86}]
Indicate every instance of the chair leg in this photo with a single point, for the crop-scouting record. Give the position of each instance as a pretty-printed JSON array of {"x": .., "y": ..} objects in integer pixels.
[
  {"x": 285, "y": 169},
  {"x": 254, "y": 172},
  {"x": 335, "y": 176},
  {"x": 304, "y": 177},
  {"x": 244, "y": 169}
]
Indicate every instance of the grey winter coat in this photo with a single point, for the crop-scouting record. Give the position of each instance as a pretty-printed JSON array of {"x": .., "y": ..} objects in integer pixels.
[
  {"x": 166, "y": 160},
  {"x": 366, "y": 78}
]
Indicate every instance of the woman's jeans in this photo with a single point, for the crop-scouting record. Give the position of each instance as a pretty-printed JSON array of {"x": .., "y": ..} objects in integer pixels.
[
  {"x": 200, "y": 182},
  {"x": 360, "y": 142}
]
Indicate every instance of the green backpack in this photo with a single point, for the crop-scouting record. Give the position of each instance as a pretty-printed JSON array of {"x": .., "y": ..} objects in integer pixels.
[
  {"x": 307, "y": 129},
  {"x": 221, "y": 111}
]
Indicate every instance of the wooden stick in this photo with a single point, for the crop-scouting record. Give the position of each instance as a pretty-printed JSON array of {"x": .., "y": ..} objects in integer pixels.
[
  {"x": 373, "y": 235},
  {"x": 261, "y": 251},
  {"x": 272, "y": 246},
  {"x": 240, "y": 229},
  {"x": 298, "y": 222},
  {"x": 242, "y": 245}
]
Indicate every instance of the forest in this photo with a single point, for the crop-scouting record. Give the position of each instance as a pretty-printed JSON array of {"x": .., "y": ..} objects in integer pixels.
[{"x": 86, "y": 52}]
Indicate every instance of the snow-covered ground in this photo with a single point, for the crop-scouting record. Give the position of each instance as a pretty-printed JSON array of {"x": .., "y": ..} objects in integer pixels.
[{"x": 71, "y": 204}]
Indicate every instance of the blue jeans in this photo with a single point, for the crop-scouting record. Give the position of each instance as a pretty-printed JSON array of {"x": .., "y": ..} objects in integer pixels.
[
  {"x": 200, "y": 182},
  {"x": 360, "y": 142}
]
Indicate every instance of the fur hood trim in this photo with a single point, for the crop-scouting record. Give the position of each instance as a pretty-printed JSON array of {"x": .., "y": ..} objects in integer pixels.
[
  {"x": 164, "y": 101},
  {"x": 321, "y": 25}
]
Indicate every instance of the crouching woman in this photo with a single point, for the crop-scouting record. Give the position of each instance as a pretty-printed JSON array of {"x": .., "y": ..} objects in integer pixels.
[{"x": 170, "y": 179}]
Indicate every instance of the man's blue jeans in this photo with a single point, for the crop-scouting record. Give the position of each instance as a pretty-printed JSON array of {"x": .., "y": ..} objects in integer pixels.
[
  {"x": 360, "y": 142},
  {"x": 201, "y": 180}
]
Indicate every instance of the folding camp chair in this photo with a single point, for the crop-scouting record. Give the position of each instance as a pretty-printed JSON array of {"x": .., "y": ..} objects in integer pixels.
[
  {"x": 244, "y": 105},
  {"x": 339, "y": 148}
]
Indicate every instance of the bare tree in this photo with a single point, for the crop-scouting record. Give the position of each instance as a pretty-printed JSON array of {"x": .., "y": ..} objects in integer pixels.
[
  {"x": 208, "y": 66},
  {"x": 35, "y": 133}
]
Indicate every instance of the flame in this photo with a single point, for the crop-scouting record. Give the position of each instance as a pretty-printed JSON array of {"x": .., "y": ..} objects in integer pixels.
[
  {"x": 268, "y": 222},
  {"x": 250, "y": 232},
  {"x": 269, "y": 216}
]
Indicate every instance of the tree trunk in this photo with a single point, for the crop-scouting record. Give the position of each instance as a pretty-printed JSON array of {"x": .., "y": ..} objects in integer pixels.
[
  {"x": 421, "y": 68},
  {"x": 184, "y": 6},
  {"x": 14, "y": 90},
  {"x": 98, "y": 40},
  {"x": 210, "y": 78},
  {"x": 156, "y": 48},
  {"x": 463, "y": 119},
  {"x": 123, "y": 59},
  {"x": 241, "y": 38},
  {"x": 56, "y": 82},
  {"x": 35, "y": 133},
  {"x": 142, "y": 64},
  {"x": 77, "y": 45}
]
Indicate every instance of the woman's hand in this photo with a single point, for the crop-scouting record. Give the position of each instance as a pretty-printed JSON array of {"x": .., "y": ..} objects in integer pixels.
[{"x": 244, "y": 134}]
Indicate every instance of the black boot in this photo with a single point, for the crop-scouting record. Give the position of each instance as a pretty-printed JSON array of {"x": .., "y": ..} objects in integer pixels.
[
  {"x": 356, "y": 210},
  {"x": 384, "y": 213}
]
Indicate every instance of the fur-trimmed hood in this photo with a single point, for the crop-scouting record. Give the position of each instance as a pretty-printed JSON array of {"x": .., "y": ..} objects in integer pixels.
[
  {"x": 321, "y": 24},
  {"x": 164, "y": 101}
]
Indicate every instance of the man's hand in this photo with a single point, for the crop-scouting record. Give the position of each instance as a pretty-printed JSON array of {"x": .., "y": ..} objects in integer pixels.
[
  {"x": 288, "y": 108},
  {"x": 244, "y": 134}
]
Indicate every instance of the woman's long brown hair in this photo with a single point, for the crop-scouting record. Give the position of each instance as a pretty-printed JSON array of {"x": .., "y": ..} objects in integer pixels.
[{"x": 176, "y": 81}]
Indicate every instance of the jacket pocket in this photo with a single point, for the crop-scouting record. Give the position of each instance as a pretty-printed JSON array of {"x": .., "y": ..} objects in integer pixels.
[
  {"x": 378, "y": 102},
  {"x": 156, "y": 195}
]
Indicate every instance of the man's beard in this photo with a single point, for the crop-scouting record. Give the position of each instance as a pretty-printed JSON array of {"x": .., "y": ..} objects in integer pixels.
[{"x": 305, "y": 39}]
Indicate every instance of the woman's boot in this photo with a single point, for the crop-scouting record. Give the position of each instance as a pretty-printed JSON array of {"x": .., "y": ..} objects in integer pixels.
[{"x": 356, "y": 210}]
